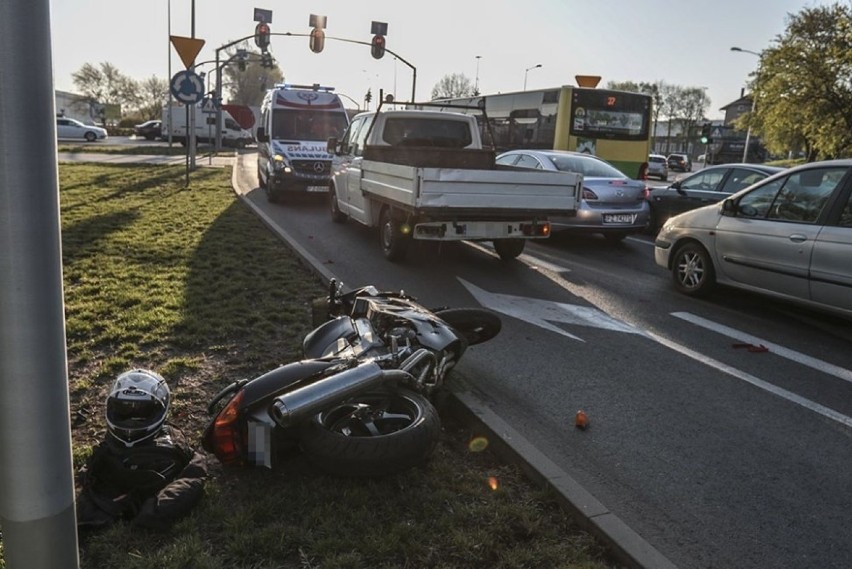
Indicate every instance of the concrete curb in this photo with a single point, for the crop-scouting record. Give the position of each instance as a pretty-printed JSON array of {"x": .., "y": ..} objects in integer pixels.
[{"x": 627, "y": 546}]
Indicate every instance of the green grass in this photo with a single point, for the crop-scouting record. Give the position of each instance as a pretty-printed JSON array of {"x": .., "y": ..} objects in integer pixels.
[
  {"x": 187, "y": 281},
  {"x": 175, "y": 150}
]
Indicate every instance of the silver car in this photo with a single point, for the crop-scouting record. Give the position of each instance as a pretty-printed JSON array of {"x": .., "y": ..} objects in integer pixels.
[
  {"x": 788, "y": 236},
  {"x": 69, "y": 128},
  {"x": 612, "y": 203},
  {"x": 658, "y": 167}
]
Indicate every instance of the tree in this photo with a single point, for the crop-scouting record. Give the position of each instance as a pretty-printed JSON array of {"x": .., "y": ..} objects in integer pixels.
[
  {"x": 105, "y": 85},
  {"x": 248, "y": 87},
  {"x": 153, "y": 94},
  {"x": 803, "y": 86},
  {"x": 451, "y": 86}
]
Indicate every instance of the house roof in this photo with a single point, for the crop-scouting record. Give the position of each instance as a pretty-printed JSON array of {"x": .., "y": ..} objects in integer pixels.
[{"x": 742, "y": 100}]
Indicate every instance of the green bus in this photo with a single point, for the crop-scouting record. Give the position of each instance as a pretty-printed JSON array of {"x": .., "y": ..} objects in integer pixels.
[{"x": 613, "y": 125}]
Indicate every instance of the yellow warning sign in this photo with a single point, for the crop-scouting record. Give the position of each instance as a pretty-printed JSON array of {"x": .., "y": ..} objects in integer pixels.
[
  {"x": 588, "y": 80},
  {"x": 187, "y": 48}
]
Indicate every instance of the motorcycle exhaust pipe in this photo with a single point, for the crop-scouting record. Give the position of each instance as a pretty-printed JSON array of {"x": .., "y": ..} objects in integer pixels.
[{"x": 299, "y": 404}]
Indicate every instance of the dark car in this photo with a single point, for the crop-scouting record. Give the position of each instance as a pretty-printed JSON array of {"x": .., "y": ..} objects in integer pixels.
[
  {"x": 150, "y": 130},
  {"x": 679, "y": 162},
  {"x": 704, "y": 187}
]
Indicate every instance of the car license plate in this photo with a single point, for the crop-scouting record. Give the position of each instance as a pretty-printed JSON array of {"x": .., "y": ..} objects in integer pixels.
[
  {"x": 619, "y": 218},
  {"x": 317, "y": 188}
]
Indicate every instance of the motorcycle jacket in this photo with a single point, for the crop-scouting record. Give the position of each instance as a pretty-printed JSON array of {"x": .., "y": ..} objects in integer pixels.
[{"x": 152, "y": 484}]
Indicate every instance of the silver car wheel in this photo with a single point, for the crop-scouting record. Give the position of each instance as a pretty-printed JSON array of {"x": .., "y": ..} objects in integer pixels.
[{"x": 692, "y": 270}]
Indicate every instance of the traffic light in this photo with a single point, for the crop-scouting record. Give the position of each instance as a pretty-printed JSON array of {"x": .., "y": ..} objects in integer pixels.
[
  {"x": 378, "y": 48},
  {"x": 706, "y": 131},
  {"x": 266, "y": 60},
  {"x": 261, "y": 35},
  {"x": 369, "y": 96},
  {"x": 317, "y": 38},
  {"x": 317, "y": 41},
  {"x": 242, "y": 64}
]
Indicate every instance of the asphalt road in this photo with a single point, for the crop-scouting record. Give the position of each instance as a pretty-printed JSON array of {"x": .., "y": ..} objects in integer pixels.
[{"x": 717, "y": 455}]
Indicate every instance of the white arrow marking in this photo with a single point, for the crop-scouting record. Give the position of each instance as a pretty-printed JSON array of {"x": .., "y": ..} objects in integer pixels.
[{"x": 542, "y": 312}]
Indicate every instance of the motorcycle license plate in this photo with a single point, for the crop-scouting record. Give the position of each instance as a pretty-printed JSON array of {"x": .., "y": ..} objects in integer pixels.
[
  {"x": 619, "y": 218},
  {"x": 317, "y": 188}
]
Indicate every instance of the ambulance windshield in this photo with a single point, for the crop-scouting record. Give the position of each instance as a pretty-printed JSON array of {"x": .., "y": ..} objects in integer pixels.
[{"x": 303, "y": 124}]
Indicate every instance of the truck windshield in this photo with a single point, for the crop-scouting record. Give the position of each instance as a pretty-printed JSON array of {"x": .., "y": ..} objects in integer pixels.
[{"x": 307, "y": 124}]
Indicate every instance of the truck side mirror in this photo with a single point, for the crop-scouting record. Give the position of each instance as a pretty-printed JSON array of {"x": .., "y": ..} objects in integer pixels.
[
  {"x": 331, "y": 145},
  {"x": 261, "y": 134}
]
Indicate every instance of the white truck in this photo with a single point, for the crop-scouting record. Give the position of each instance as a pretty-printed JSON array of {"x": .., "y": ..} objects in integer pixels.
[
  {"x": 420, "y": 174},
  {"x": 175, "y": 121}
]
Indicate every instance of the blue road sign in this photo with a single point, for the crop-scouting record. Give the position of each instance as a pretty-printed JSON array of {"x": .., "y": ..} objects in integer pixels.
[
  {"x": 187, "y": 87},
  {"x": 209, "y": 104}
]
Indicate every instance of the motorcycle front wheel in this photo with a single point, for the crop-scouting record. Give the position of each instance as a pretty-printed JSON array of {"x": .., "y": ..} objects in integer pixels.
[
  {"x": 377, "y": 433},
  {"x": 474, "y": 324}
]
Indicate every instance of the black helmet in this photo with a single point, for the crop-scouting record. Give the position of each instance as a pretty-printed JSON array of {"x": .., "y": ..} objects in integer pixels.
[{"x": 137, "y": 406}]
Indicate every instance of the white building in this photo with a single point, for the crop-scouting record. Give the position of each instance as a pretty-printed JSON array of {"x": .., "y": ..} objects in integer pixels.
[{"x": 78, "y": 107}]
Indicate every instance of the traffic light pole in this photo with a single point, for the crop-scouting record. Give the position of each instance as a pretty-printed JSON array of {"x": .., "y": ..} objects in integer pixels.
[
  {"x": 393, "y": 53},
  {"x": 218, "y": 94},
  {"x": 219, "y": 67}
]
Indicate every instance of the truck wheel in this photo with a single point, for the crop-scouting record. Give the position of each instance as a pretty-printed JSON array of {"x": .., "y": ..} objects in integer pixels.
[
  {"x": 394, "y": 242},
  {"x": 271, "y": 197},
  {"x": 260, "y": 183},
  {"x": 509, "y": 249},
  {"x": 337, "y": 216}
]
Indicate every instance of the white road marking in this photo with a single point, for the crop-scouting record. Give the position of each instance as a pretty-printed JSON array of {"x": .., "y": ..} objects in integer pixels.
[
  {"x": 542, "y": 312},
  {"x": 536, "y": 263},
  {"x": 798, "y": 357},
  {"x": 748, "y": 378},
  {"x": 530, "y": 260}
]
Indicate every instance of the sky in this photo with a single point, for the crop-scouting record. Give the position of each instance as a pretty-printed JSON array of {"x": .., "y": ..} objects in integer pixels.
[{"x": 495, "y": 43}]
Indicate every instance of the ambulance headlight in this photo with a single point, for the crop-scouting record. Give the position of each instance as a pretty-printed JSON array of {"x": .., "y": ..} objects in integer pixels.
[{"x": 280, "y": 164}]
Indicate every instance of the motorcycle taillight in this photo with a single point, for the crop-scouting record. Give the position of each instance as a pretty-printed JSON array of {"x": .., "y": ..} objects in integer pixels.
[{"x": 228, "y": 437}]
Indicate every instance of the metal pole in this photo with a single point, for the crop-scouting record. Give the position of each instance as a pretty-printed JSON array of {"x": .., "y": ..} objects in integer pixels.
[
  {"x": 748, "y": 130},
  {"x": 169, "y": 47},
  {"x": 218, "y": 96},
  {"x": 36, "y": 474},
  {"x": 190, "y": 123},
  {"x": 753, "y": 99},
  {"x": 476, "y": 84}
]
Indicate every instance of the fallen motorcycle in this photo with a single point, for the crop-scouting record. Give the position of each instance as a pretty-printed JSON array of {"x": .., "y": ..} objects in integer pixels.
[{"x": 358, "y": 403}]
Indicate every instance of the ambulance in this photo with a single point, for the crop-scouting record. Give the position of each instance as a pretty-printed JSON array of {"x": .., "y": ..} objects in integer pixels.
[{"x": 296, "y": 122}]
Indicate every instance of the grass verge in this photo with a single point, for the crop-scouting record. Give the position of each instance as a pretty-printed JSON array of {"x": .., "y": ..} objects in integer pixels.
[
  {"x": 145, "y": 149},
  {"x": 187, "y": 281}
]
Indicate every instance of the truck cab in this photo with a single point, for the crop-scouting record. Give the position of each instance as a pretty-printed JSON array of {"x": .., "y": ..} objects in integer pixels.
[{"x": 296, "y": 122}]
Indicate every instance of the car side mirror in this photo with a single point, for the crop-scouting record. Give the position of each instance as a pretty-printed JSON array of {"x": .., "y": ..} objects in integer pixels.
[
  {"x": 261, "y": 134},
  {"x": 729, "y": 207},
  {"x": 331, "y": 145}
]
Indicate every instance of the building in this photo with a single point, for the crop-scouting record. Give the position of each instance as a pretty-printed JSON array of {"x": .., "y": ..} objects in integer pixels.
[{"x": 78, "y": 107}]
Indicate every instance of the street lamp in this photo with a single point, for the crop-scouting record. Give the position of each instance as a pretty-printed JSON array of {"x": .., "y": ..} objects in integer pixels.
[
  {"x": 753, "y": 101},
  {"x": 476, "y": 84},
  {"x": 527, "y": 71}
]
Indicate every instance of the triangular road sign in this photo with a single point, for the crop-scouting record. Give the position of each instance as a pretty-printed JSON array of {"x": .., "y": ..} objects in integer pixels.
[{"x": 187, "y": 48}]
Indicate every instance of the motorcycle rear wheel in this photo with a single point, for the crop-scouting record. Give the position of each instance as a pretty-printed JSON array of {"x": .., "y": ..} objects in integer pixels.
[
  {"x": 377, "y": 433},
  {"x": 474, "y": 324}
]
